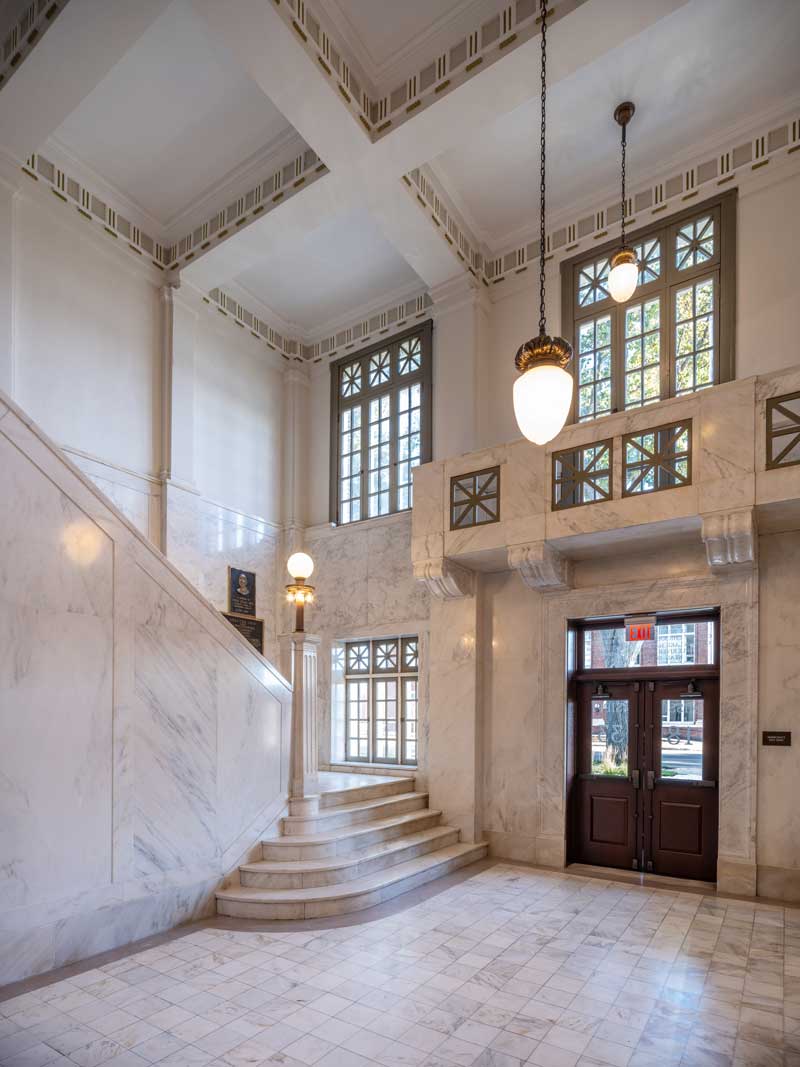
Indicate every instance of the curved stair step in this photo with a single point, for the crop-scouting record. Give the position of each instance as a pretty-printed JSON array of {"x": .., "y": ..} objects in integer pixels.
[
  {"x": 360, "y": 893},
  {"x": 344, "y": 841},
  {"x": 335, "y": 798},
  {"x": 306, "y": 874},
  {"x": 353, "y": 814}
]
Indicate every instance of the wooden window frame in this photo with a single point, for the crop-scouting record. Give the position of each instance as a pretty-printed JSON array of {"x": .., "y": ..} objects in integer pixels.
[
  {"x": 721, "y": 267},
  {"x": 371, "y": 676},
  {"x": 423, "y": 376},
  {"x": 455, "y": 481}
]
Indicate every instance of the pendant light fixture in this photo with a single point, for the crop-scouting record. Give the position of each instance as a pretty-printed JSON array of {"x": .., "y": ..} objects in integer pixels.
[
  {"x": 543, "y": 391},
  {"x": 624, "y": 275}
]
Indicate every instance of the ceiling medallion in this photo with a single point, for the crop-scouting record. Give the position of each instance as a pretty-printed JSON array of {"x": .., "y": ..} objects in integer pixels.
[
  {"x": 624, "y": 274},
  {"x": 543, "y": 391}
]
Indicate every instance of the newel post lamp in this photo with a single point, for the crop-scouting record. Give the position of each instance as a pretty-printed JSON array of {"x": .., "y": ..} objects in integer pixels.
[
  {"x": 300, "y": 566},
  {"x": 303, "y": 758}
]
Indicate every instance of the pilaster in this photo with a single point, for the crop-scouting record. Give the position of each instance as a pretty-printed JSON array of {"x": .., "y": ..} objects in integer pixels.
[
  {"x": 8, "y": 194},
  {"x": 461, "y": 311}
]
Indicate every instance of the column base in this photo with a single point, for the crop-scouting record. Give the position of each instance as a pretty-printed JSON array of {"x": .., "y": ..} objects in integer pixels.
[{"x": 308, "y": 805}]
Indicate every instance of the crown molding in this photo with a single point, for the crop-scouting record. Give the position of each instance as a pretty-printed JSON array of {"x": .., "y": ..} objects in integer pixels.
[
  {"x": 19, "y": 39},
  {"x": 379, "y": 110},
  {"x": 284, "y": 147}
]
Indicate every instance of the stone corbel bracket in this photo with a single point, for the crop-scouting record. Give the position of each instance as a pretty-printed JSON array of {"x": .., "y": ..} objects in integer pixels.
[
  {"x": 540, "y": 566},
  {"x": 444, "y": 579},
  {"x": 731, "y": 540}
]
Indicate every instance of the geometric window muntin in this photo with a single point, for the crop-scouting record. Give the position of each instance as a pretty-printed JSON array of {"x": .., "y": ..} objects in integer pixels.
[
  {"x": 783, "y": 431},
  {"x": 648, "y": 256},
  {"x": 694, "y": 242},
  {"x": 593, "y": 282},
  {"x": 475, "y": 499},
  {"x": 358, "y": 657},
  {"x": 380, "y": 367},
  {"x": 410, "y": 660},
  {"x": 657, "y": 459},
  {"x": 351, "y": 379},
  {"x": 384, "y": 656},
  {"x": 582, "y": 475},
  {"x": 409, "y": 357}
]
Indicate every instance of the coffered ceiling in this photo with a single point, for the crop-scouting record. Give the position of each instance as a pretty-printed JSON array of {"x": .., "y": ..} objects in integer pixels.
[{"x": 177, "y": 112}]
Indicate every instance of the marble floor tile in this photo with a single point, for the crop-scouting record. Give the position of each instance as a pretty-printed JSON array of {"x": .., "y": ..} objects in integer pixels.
[{"x": 507, "y": 967}]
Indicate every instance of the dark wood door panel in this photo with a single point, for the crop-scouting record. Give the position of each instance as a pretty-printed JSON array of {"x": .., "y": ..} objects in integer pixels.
[{"x": 609, "y": 822}]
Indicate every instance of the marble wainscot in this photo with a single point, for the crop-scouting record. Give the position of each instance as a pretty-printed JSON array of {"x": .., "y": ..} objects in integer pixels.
[
  {"x": 499, "y": 724},
  {"x": 145, "y": 743}
]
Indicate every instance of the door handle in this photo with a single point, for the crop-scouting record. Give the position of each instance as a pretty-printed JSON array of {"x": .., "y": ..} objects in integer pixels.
[
  {"x": 651, "y": 779},
  {"x": 635, "y": 778}
]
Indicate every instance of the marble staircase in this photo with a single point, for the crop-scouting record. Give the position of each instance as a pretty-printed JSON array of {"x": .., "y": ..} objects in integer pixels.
[{"x": 355, "y": 848}]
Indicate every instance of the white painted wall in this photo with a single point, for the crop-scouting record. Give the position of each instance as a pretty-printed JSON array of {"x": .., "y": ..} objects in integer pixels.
[
  {"x": 87, "y": 337},
  {"x": 237, "y": 426}
]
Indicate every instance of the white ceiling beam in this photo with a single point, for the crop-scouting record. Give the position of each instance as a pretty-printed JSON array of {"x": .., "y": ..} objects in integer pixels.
[
  {"x": 86, "y": 40},
  {"x": 369, "y": 175}
]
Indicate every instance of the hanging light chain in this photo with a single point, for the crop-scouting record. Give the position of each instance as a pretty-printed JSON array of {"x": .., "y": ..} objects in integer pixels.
[
  {"x": 622, "y": 215},
  {"x": 542, "y": 324}
]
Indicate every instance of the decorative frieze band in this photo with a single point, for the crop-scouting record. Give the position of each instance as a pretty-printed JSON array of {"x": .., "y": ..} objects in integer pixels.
[
  {"x": 379, "y": 112},
  {"x": 663, "y": 196},
  {"x": 282, "y": 183},
  {"x": 347, "y": 339},
  {"x": 25, "y": 33}
]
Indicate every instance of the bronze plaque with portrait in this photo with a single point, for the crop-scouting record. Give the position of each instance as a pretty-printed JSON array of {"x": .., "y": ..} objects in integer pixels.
[
  {"x": 241, "y": 592},
  {"x": 251, "y": 629}
]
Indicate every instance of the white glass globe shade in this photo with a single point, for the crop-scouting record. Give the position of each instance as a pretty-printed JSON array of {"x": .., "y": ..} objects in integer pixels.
[
  {"x": 300, "y": 566},
  {"x": 622, "y": 281},
  {"x": 542, "y": 396}
]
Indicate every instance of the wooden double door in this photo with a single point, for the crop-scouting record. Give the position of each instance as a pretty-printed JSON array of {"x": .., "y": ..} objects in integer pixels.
[{"x": 645, "y": 793}]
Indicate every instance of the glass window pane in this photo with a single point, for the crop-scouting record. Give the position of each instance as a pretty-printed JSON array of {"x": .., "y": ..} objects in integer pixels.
[
  {"x": 694, "y": 243},
  {"x": 675, "y": 645},
  {"x": 594, "y": 368},
  {"x": 694, "y": 337},
  {"x": 682, "y": 739},
  {"x": 642, "y": 353},
  {"x": 609, "y": 737},
  {"x": 593, "y": 282}
]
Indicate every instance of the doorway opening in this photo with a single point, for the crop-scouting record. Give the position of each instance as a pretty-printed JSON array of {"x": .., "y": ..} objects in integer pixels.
[{"x": 643, "y": 767}]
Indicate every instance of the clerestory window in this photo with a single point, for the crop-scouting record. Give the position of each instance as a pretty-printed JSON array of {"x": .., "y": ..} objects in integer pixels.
[
  {"x": 675, "y": 335},
  {"x": 380, "y": 426}
]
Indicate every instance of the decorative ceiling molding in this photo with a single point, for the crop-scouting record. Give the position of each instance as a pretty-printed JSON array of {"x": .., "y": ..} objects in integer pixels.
[
  {"x": 284, "y": 182},
  {"x": 346, "y": 339},
  {"x": 26, "y": 32},
  {"x": 378, "y": 110},
  {"x": 670, "y": 194}
]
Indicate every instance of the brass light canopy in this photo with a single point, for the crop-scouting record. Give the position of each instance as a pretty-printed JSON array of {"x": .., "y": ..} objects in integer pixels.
[
  {"x": 543, "y": 391},
  {"x": 624, "y": 274}
]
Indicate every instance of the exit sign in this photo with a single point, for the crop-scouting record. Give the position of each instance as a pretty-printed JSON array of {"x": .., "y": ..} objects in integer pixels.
[{"x": 640, "y": 628}]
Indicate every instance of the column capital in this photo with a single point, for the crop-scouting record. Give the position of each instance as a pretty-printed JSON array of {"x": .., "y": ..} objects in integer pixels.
[
  {"x": 731, "y": 540},
  {"x": 444, "y": 579},
  {"x": 541, "y": 566}
]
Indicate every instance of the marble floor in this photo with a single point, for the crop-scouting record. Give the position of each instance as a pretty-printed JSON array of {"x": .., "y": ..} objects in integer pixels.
[{"x": 509, "y": 965}]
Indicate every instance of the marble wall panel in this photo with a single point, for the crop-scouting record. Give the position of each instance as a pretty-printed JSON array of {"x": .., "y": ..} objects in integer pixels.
[
  {"x": 56, "y": 631},
  {"x": 204, "y": 539},
  {"x": 779, "y": 699},
  {"x": 144, "y": 743}
]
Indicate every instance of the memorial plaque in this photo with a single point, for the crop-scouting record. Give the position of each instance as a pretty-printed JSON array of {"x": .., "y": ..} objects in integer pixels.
[
  {"x": 776, "y": 737},
  {"x": 250, "y": 628},
  {"x": 241, "y": 592}
]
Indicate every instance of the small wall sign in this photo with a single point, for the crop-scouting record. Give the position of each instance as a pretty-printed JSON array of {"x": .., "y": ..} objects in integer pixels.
[
  {"x": 251, "y": 629},
  {"x": 640, "y": 628},
  {"x": 776, "y": 737},
  {"x": 241, "y": 592}
]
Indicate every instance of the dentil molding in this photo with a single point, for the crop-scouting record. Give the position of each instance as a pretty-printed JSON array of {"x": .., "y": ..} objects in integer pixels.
[
  {"x": 541, "y": 566},
  {"x": 444, "y": 579}
]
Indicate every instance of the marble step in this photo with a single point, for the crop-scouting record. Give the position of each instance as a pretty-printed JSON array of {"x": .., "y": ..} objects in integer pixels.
[
  {"x": 364, "y": 892},
  {"x": 344, "y": 841},
  {"x": 337, "y": 797},
  {"x": 306, "y": 874},
  {"x": 353, "y": 814}
]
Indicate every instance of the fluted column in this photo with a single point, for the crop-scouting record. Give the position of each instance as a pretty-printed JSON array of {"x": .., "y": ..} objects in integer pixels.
[{"x": 299, "y": 661}]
